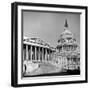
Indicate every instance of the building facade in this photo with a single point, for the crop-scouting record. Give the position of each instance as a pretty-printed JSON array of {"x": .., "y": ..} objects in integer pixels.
[
  {"x": 36, "y": 50},
  {"x": 68, "y": 50}
]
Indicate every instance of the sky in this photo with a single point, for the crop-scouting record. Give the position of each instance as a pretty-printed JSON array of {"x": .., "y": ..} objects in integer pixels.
[{"x": 49, "y": 25}]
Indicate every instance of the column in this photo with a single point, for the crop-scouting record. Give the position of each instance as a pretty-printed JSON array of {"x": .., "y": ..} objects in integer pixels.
[
  {"x": 42, "y": 53},
  {"x": 49, "y": 55},
  {"x": 31, "y": 53},
  {"x": 23, "y": 54},
  {"x": 62, "y": 48},
  {"x": 26, "y": 52},
  {"x": 39, "y": 53},
  {"x": 45, "y": 54},
  {"x": 69, "y": 47},
  {"x": 72, "y": 48},
  {"x": 35, "y": 53}
]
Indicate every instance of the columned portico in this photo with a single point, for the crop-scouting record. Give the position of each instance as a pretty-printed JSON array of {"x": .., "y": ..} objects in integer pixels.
[{"x": 36, "y": 52}]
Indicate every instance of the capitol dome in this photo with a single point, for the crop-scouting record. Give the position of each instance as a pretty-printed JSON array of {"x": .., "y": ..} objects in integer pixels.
[
  {"x": 66, "y": 35},
  {"x": 66, "y": 40},
  {"x": 67, "y": 47}
]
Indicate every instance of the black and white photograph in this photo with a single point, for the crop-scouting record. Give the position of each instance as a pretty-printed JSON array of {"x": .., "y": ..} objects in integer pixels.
[{"x": 49, "y": 44}]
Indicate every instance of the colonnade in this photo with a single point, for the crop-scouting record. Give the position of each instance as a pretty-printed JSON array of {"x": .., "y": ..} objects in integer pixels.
[
  {"x": 31, "y": 52},
  {"x": 67, "y": 47},
  {"x": 73, "y": 62}
]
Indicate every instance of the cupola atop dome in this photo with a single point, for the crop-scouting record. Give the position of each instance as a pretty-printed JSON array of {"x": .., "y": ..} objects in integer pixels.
[
  {"x": 66, "y": 33},
  {"x": 66, "y": 25}
]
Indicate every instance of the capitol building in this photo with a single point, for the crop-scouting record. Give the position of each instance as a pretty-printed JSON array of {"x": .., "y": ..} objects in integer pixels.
[
  {"x": 68, "y": 51},
  {"x": 65, "y": 56}
]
